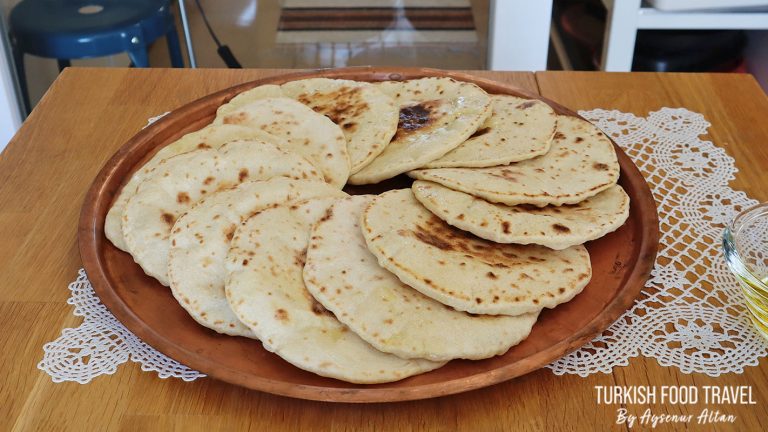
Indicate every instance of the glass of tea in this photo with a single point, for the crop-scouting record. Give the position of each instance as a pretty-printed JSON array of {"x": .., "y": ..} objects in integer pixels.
[{"x": 745, "y": 244}]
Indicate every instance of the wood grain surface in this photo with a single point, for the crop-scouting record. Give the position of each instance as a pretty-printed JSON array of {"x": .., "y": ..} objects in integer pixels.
[{"x": 88, "y": 113}]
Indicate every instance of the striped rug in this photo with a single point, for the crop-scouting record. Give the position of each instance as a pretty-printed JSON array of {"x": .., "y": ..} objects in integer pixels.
[{"x": 370, "y": 21}]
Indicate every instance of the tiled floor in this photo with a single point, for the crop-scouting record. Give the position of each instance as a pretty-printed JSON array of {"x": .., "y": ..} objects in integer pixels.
[{"x": 249, "y": 28}]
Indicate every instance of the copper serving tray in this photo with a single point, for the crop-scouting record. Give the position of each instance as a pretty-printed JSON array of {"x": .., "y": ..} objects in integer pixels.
[{"x": 621, "y": 263}]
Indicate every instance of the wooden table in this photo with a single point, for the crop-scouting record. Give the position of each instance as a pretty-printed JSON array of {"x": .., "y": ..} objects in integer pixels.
[{"x": 88, "y": 113}]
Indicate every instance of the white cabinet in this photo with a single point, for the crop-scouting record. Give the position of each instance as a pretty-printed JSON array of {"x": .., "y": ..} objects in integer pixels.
[{"x": 626, "y": 17}]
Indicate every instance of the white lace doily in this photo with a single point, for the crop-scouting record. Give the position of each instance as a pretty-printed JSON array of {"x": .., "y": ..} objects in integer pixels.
[
  {"x": 690, "y": 314},
  {"x": 101, "y": 343}
]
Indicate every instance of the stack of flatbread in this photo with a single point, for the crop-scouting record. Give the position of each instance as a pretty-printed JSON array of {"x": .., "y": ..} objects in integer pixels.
[{"x": 246, "y": 221}]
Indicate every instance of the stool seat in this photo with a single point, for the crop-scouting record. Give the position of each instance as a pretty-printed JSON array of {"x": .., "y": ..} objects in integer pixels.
[
  {"x": 70, "y": 29},
  {"x": 80, "y": 16},
  {"x": 76, "y": 29}
]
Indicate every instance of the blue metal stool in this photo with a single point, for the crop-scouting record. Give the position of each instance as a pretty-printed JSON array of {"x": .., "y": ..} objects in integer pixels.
[{"x": 76, "y": 29}]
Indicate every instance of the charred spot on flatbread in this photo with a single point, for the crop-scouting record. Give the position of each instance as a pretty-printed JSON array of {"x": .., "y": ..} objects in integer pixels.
[
  {"x": 417, "y": 117},
  {"x": 340, "y": 106}
]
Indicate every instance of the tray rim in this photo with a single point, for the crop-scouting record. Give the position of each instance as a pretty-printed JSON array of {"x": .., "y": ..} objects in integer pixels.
[{"x": 89, "y": 229}]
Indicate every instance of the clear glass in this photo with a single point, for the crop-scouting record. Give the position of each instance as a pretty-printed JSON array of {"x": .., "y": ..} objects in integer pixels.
[{"x": 745, "y": 245}]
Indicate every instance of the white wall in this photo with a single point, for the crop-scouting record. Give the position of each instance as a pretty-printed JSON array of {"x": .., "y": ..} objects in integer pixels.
[
  {"x": 10, "y": 114},
  {"x": 519, "y": 34},
  {"x": 757, "y": 56}
]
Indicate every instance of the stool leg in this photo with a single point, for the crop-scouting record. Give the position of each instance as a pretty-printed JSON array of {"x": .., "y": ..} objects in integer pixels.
[
  {"x": 18, "y": 60},
  {"x": 64, "y": 63},
  {"x": 139, "y": 56},
  {"x": 174, "y": 48}
]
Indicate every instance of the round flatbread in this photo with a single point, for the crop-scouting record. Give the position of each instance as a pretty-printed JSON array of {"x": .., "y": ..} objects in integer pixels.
[
  {"x": 266, "y": 291},
  {"x": 248, "y": 97},
  {"x": 303, "y": 131},
  {"x": 466, "y": 272},
  {"x": 212, "y": 136},
  {"x": 580, "y": 163},
  {"x": 181, "y": 181},
  {"x": 436, "y": 115},
  {"x": 518, "y": 129},
  {"x": 346, "y": 278},
  {"x": 551, "y": 226},
  {"x": 367, "y": 116},
  {"x": 200, "y": 241}
]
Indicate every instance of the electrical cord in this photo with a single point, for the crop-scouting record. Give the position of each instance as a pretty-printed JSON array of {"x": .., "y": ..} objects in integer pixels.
[{"x": 224, "y": 52}]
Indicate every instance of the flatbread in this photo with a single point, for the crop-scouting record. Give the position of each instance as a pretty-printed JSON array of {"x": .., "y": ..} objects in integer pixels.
[
  {"x": 436, "y": 116},
  {"x": 580, "y": 163},
  {"x": 181, "y": 181},
  {"x": 517, "y": 129},
  {"x": 266, "y": 291},
  {"x": 212, "y": 136},
  {"x": 248, "y": 97},
  {"x": 466, "y": 272},
  {"x": 304, "y": 132},
  {"x": 200, "y": 241},
  {"x": 367, "y": 116},
  {"x": 346, "y": 278},
  {"x": 550, "y": 226}
]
